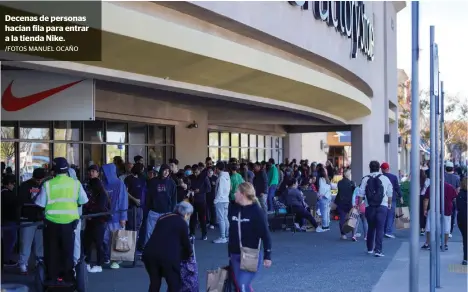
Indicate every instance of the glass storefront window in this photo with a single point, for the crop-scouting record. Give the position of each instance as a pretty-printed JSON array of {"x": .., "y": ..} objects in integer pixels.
[
  {"x": 116, "y": 150},
  {"x": 169, "y": 153},
  {"x": 234, "y": 139},
  {"x": 252, "y": 141},
  {"x": 235, "y": 152},
  {"x": 134, "y": 150},
  {"x": 225, "y": 154},
  {"x": 35, "y": 130},
  {"x": 71, "y": 151},
  {"x": 157, "y": 135},
  {"x": 116, "y": 132},
  {"x": 169, "y": 135},
  {"x": 280, "y": 143},
  {"x": 276, "y": 142},
  {"x": 156, "y": 155},
  {"x": 8, "y": 152},
  {"x": 244, "y": 153},
  {"x": 67, "y": 131},
  {"x": 213, "y": 139},
  {"x": 253, "y": 154},
  {"x": 136, "y": 133},
  {"x": 268, "y": 142},
  {"x": 93, "y": 131},
  {"x": 244, "y": 140},
  {"x": 261, "y": 154},
  {"x": 267, "y": 154},
  {"x": 93, "y": 154},
  {"x": 32, "y": 155},
  {"x": 213, "y": 152},
  {"x": 224, "y": 139},
  {"x": 8, "y": 130},
  {"x": 261, "y": 141}
]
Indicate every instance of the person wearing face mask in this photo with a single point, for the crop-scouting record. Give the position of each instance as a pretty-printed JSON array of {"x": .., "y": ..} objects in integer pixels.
[
  {"x": 183, "y": 185},
  {"x": 161, "y": 198},
  {"x": 167, "y": 247},
  {"x": 200, "y": 186},
  {"x": 210, "y": 197}
]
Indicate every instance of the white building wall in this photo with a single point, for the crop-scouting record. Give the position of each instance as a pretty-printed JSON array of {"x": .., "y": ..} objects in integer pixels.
[{"x": 311, "y": 147}]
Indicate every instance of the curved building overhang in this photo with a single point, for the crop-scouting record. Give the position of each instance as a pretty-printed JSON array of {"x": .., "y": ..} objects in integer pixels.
[{"x": 159, "y": 48}]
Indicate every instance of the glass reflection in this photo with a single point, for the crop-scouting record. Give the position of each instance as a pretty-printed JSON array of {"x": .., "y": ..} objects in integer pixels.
[{"x": 32, "y": 156}]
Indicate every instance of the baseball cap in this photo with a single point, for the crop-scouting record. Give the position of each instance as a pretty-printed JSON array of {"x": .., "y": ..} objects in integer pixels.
[
  {"x": 385, "y": 166},
  {"x": 93, "y": 167},
  {"x": 60, "y": 165},
  {"x": 39, "y": 173},
  {"x": 449, "y": 164}
]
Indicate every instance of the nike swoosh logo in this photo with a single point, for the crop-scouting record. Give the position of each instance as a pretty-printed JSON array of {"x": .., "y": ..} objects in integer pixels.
[{"x": 11, "y": 103}]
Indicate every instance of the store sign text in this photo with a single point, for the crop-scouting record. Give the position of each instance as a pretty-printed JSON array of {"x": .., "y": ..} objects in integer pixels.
[{"x": 348, "y": 18}]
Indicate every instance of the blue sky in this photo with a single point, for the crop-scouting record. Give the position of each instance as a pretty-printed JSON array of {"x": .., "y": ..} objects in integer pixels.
[{"x": 450, "y": 20}]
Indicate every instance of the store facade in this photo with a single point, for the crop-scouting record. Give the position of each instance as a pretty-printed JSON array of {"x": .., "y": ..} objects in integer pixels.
[{"x": 249, "y": 73}]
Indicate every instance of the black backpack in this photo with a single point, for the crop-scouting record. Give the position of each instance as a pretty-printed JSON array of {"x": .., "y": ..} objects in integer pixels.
[{"x": 374, "y": 191}]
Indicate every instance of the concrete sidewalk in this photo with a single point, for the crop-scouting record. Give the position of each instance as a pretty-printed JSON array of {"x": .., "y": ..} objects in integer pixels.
[{"x": 453, "y": 276}]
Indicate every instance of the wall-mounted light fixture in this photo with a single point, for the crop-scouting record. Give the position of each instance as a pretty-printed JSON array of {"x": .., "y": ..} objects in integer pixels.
[{"x": 193, "y": 125}]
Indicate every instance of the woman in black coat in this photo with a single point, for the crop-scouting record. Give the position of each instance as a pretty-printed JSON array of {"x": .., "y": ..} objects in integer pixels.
[{"x": 167, "y": 247}]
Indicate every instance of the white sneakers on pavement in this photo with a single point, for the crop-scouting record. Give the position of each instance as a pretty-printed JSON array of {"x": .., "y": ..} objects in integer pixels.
[
  {"x": 95, "y": 269},
  {"x": 220, "y": 240},
  {"x": 389, "y": 236}
]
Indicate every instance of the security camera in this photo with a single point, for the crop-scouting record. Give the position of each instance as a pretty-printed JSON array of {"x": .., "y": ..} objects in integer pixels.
[{"x": 193, "y": 125}]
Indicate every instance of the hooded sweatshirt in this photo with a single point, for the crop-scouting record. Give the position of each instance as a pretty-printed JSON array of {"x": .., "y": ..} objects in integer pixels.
[
  {"x": 236, "y": 180},
  {"x": 162, "y": 193},
  {"x": 202, "y": 183},
  {"x": 116, "y": 190},
  {"x": 223, "y": 187}
]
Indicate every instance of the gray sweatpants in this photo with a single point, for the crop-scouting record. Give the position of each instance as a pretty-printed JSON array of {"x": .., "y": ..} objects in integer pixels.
[
  {"x": 28, "y": 236},
  {"x": 110, "y": 228}
]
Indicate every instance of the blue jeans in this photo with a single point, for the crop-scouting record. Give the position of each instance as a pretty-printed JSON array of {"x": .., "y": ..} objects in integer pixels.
[
  {"x": 271, "y": 194},
  {"x": 389, "y": 222},
  {"x": 150, "y": 223},
  {"x": 243, "y": 279},
  {"x": 364, "y": 225},
  {"x": 107, "y": 242},
  {"x": 223, "y": 220},
  {"x": 324, "y": 206},
  {"x": 343, "y": 213},
  {"x": 376, "y": 220}
]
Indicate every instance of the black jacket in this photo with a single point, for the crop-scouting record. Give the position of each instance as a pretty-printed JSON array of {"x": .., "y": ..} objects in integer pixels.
[
  {"x": 162, "y": 195},
  {"x": 344, "y": 198},
  {"x": 202, "y": 183},
  {"x": 462, "y": 205},
  {"x": 260, "y": 182},
  {"x": 10, "y": 206},
  {"x": 254, "y": 227},
  {"x": 27, "y": 194},
  {"x": 169, "y": 243}
]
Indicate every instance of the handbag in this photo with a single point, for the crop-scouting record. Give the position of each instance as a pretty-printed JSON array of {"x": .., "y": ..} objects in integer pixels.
[{"x": 249, "y": 256}]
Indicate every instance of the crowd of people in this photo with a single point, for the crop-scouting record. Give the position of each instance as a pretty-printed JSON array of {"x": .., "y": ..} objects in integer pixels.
[{"x": 236, "y": 197}]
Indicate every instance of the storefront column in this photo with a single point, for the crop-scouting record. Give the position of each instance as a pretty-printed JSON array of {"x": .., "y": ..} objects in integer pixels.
[
  {"x": 293, "y": 147},
  {"x": 357, "y": 154}
]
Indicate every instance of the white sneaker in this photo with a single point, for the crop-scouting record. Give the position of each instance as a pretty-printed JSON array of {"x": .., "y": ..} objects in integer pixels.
[
  {"x": 114, "y": 265},
  {"x": 344, "y": 237},
  {"x": 357, "y": 235},
  {"x": 88, "y": 267},
  {"x": 370, "y": 252},
  {"x": 23, "y": 269},
  {"x": 96, "y": 269},
  {"x": 211, "y": 226},
  {"x": 220, "y": 240},
  {"x": 389, "y": 236},
  {"x": 450, "y": 235},
  {"x": 297, "y": 226},
  {"x": 319, "y": 229}
]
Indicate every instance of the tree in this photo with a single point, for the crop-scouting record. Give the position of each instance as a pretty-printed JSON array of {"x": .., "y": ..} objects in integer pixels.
[{"x": 456, "y": 122}]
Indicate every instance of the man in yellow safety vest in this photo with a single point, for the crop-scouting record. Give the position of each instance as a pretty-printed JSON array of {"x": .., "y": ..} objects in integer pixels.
[{"x": 60, "y": 197}]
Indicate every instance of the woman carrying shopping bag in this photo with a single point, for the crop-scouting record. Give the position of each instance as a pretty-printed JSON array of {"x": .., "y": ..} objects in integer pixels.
[{"x": 248, "y": 230}]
